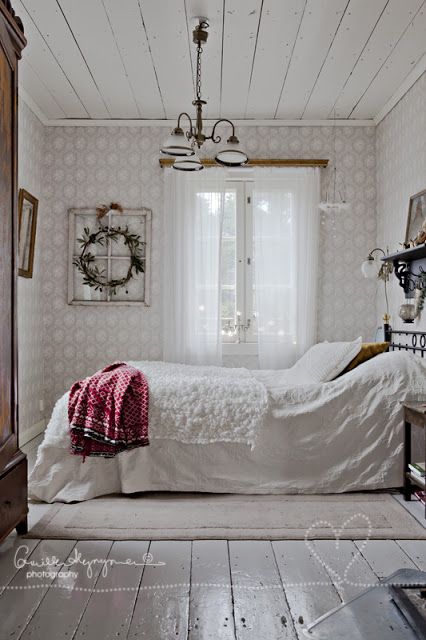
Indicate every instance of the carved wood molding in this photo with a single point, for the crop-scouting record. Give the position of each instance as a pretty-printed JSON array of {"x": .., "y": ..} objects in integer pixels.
[{"x": 11, "y": 32}]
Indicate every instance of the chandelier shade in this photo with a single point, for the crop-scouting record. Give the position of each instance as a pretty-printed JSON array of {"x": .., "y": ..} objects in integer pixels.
[
  {"x": 176, "y": 145},
  {"x": 231, "y": 155},
  {"x": 181, "y": 144},
  {"x": 188, "y": 164}
]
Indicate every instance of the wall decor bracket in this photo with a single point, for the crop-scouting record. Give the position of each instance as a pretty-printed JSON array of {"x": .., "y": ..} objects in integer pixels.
[{"x": 409, "y": 266}]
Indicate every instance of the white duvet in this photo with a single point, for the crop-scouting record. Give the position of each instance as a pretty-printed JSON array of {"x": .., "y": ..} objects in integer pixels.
[{"x": 344, "y": 435}]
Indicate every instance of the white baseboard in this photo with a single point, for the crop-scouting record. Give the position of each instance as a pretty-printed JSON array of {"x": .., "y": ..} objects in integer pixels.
[{"x": 31, "y": 433}]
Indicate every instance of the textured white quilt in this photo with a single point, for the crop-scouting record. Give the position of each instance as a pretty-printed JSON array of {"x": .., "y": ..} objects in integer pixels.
[{"x": 190, "y": 404}]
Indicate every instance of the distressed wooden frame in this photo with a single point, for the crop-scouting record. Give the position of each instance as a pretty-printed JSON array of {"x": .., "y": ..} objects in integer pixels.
[
  {"x": 142, "y": 211},
  {"x": 26, "y": 196}
]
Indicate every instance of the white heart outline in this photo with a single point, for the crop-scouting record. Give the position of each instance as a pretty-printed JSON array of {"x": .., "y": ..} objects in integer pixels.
[{"x": 337, "y": 536}]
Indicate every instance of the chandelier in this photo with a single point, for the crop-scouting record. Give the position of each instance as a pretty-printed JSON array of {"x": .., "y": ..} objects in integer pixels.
[{"x": 182, "y": 146}]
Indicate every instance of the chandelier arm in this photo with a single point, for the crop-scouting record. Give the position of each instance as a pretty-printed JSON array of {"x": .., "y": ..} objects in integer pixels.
[
  {"x": 217, "y": 138},
  {"x": 190, "y": 133}
]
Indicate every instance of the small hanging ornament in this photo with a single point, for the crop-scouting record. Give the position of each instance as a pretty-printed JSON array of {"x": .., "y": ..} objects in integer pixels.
[{"x": 335, "y": 201}]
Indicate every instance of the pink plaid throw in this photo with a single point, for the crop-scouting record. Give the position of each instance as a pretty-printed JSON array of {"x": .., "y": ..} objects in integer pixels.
[{"x": 108, "y": 412}]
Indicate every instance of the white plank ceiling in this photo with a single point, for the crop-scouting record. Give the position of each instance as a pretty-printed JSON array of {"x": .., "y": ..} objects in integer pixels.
[{"x": 265, "y": 59}]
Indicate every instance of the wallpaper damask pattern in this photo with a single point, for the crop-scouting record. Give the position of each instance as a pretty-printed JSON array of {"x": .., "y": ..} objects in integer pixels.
[
  {"x": 401, "y": 172},
  {"x": 83, "y": 166},
  {"x": 30, "y": 302}
]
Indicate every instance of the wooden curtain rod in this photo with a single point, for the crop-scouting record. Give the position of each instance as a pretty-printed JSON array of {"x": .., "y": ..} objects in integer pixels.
[{"x": 261, "y": 162}]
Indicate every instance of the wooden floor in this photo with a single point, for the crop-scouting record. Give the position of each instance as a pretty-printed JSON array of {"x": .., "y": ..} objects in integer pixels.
[
  {"x": 212, "y": 589},
  {"x": 206, "y": 589}
]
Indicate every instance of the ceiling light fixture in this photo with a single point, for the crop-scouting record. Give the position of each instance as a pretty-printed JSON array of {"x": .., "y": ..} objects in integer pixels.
[
  {"x": 335, "y": 201},
  {"x": 181, "y": 145}
]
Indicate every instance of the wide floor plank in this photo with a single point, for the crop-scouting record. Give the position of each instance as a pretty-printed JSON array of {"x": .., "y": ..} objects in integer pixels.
[
  {"x": 162, "y": 606},
  {"x": 350, "y": 572},
  {"x": 18, "y": 605},
  {"x": 385, "y": 557},
  {"x": 210, "y": 603},
  {"x": 309, "y": 590},
  {"x": 260, "y": 606},
  {"x": 416, "y": 551},
  {"x": 108, "y": 613},
  {"x": 63, "y": 606}
]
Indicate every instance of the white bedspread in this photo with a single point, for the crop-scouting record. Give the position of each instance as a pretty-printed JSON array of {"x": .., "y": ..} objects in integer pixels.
[{"x": 344, "y": 435}]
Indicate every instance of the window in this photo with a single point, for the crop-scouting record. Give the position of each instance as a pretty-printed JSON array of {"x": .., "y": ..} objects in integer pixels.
[{"x": 238, "y": 319}]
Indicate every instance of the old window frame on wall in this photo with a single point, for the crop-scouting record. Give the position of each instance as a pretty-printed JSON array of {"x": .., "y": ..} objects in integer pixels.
[{"x": 111, "y": 219}]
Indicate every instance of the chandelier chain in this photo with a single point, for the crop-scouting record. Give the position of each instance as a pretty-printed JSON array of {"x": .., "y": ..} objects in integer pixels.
[{"x": 198, "y": 81}]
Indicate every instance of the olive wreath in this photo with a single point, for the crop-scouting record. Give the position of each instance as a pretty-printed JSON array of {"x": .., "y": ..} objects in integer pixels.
[{"x": 85, "y": 262}]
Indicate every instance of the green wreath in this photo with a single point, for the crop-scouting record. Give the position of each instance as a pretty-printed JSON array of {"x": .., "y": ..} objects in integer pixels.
[{"x": 93, "y": 276}]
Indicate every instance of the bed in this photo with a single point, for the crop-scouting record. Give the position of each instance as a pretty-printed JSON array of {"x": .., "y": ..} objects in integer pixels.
[{"x": 342, "y": 435}]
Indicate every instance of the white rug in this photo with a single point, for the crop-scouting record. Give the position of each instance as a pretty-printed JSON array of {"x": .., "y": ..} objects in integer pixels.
[{"x": 189, "y": 516}]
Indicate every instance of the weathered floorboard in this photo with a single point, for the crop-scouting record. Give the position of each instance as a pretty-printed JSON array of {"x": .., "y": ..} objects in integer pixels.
[
  {"x": 308, "y": 587},
  {"x": 260, "y": 606},
  {"x": 210, "y": 603},
  {"x": 162, "y": 605}
]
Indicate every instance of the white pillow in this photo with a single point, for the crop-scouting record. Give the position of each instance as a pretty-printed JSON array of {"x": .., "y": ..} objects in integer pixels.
[{"x": 324, "y": 361}]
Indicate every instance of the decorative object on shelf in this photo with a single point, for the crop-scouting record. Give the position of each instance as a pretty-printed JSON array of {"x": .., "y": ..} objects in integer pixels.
[
  {"x": 230, "y": 155},
  {"x": 103, "y": 209},
  {"x": 27, "y": 224},
  {"x": 415, "y": 233},
  {"x": 371, "y": 268},
  {"x": 335, "y": 199},
  {"x": 420, "y": 293},
  {"x": 109, "y": 262},
  {"x": 95, "y": 277},
  {"x": 408, "y": 311}
]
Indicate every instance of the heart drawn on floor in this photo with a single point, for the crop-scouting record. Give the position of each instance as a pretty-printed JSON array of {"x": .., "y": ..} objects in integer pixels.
[{"x": 321, "y": 524}]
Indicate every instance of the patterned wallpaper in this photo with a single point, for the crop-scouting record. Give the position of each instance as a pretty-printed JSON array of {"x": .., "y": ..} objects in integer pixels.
[
  {"x": 30, "y": 303},
  {"x": 401, "y": 172},
  {"x": 83, "y": 166}
]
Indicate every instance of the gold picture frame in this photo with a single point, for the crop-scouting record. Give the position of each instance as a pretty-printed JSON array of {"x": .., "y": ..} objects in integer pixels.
[
  {"x": 27, "y": 225},
  {"x": 416, "y": 219}
]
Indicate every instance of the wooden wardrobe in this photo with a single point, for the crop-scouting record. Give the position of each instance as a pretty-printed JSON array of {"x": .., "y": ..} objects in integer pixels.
[{"x": 13, "y": 463}]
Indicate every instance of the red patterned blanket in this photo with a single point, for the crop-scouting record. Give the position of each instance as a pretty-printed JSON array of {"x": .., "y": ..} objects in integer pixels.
[{"x": 108, "y": 412}]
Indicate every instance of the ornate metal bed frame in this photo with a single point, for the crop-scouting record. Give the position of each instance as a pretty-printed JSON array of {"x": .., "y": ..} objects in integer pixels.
[{"x": 414, "y": 341}]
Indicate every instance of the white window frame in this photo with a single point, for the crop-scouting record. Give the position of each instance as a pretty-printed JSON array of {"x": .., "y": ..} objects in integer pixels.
[{"x": 244, "y": 268}]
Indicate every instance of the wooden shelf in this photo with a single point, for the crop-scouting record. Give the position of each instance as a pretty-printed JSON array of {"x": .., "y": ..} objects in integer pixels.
[
  {"x": 407, "y": 255},
  {"x": 418, "y": 480}
]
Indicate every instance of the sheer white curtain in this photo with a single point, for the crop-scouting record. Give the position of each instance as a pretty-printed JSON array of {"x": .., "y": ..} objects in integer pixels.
[
  {"x": 286, "y": 236},
  {"x": 193, "y": 218}
]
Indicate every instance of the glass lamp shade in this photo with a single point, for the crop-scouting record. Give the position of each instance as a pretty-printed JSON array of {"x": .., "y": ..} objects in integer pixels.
[
  {"x": 188, "y": 164},
  {"x": 176, "y": 145},
  {"x": 408, "y": 312},
  {"x": 369, "y": 268},
  {"x": 231, "y": 155}
]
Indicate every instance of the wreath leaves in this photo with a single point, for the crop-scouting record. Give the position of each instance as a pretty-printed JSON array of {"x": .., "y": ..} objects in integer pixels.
[{"x": 85, "y": 263}]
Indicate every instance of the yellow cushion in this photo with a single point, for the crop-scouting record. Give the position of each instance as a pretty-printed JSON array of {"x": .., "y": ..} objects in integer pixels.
[{"x": 368, "y": 350}]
